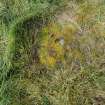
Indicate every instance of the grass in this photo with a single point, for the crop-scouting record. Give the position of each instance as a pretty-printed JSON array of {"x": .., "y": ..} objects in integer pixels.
[{"x": 25, "y": 80}]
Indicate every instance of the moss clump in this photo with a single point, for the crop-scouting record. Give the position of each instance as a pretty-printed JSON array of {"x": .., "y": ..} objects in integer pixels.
[{"x": 55, "y": 40}]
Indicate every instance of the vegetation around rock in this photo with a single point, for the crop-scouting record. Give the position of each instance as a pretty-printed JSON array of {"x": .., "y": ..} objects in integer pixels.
[{"x": 52, "y": 52}]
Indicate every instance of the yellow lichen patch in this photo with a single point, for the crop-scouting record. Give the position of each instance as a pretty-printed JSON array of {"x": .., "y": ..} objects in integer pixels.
[
  {"x": 51, "y": 61},
  {"x": 55, "y": 38},
  {"x": 45, "y": 58},
  {"x": 50, "y": 52},
  {"x": 54, "y": 29}
]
